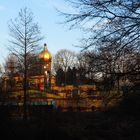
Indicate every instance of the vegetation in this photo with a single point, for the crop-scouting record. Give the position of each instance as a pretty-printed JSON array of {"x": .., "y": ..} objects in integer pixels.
[
  {"x": 111, "y": 124},
  {"x": 25, "y": 38},
  {"x": 110, "y": 59}
]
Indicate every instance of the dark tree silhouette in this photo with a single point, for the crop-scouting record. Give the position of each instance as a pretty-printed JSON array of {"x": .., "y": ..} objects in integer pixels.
[
  {"x": 60, "y": 77},
  {"x": 25, "y": 37},
  {"x": 111, "y": 23},
  {"x": 64, "y": 59},
  {"x": 107, "y": 19},
  {"x": 69, "y": 76}
]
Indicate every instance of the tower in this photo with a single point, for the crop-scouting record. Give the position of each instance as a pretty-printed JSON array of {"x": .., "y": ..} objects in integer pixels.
[{"x": 45, "y": 61}]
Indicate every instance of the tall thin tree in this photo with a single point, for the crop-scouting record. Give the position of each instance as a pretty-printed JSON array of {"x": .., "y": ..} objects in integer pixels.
[{"x": 25, "y": 37}]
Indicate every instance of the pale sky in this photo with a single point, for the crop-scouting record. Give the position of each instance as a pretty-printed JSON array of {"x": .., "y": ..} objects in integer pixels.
[{"x": 57, "y": 36}]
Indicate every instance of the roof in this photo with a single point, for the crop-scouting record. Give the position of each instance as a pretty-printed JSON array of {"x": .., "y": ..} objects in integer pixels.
[{"x": 45, "y": 54}]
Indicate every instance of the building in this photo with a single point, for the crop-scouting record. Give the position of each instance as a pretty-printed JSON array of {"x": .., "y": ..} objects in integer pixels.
[
  {"x": 45, "y": 79},
  {"x": 41, "y": 79}
]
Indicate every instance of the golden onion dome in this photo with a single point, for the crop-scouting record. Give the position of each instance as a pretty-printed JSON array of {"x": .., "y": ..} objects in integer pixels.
[{"x": 45, "y": 54}]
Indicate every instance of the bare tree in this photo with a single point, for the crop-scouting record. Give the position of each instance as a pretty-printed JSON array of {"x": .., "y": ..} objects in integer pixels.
[
  {"x": 25, "y": 38},
  {"x": 64, "y": 59},
  {"x": 107, "y": 19},
  {"x": 113, "y": 30},
  {"x": 88, "y": 63},
  {"x": 10, "y": 65},
  {"x": 10, "y": 69}
]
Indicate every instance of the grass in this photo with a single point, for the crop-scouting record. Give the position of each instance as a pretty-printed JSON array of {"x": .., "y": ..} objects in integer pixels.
[
  {"x": 108, "y": 125},
  {"x": 120, "y": 123}
]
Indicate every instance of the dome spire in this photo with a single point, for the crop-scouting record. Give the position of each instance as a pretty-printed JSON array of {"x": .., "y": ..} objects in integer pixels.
[
  {"x": 45, "y": 47},
  {"x": 45, "y": 54}
]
